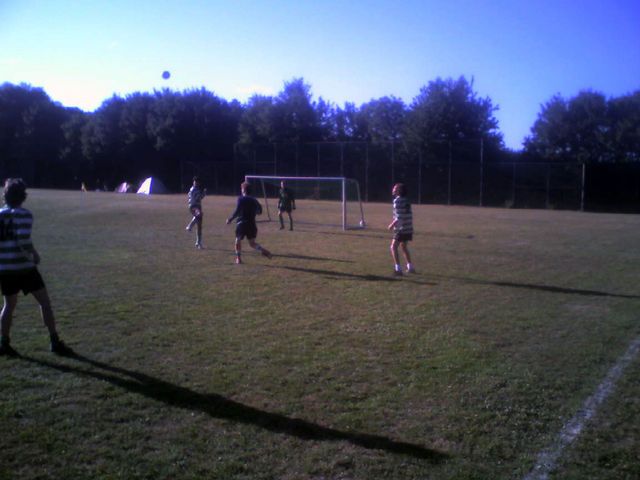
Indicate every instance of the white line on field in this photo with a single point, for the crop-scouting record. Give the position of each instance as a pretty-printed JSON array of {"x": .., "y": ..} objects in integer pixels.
[{"x": 548, "y": 457}]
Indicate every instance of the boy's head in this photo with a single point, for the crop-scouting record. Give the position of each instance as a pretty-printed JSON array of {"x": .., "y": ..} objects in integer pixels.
[
  {"x": 15, "y": 192},
  {"x": 400, "y": 190},
  {"x": 246, "y": 188}
]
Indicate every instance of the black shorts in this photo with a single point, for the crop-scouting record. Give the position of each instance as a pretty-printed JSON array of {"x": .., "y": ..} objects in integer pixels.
[
  {"x": 403, "y": 237},
  {"x": 29, "y": 281},
  {"x": 196, "y": 210},
  {"x": 249, "y": 230}
]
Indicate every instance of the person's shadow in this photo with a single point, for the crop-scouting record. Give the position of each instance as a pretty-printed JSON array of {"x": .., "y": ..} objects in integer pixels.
[{"x": 218, "y": 406}]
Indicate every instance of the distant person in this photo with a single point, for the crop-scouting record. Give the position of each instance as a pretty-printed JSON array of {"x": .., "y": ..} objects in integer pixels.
[
  {"x": 247, "y": 208},
  {"x": 196, "y": 194},
  {"x": 18, "y": 271},
  {"x": 286, "y": 203},
  {"x": 402, "y": 224}
]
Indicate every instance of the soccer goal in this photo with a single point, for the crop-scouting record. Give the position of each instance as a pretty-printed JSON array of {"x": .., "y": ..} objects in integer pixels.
[{"x": 338, "y": 198}]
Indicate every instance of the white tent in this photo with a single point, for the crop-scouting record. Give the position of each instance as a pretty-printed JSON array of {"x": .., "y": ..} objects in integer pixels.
[
  {"x": 124, "y": 187},
  {"x": 151, "y": 186}
]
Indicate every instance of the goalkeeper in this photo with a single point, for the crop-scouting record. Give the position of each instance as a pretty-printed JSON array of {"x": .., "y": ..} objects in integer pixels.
[{"x": 286, "y": 203}]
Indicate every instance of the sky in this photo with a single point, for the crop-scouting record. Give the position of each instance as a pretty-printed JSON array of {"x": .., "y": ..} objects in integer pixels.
[{"x": 519, "y": 54}]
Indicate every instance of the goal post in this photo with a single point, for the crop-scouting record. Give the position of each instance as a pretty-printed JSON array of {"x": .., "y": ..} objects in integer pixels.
[{"x": 340, "y": 192}]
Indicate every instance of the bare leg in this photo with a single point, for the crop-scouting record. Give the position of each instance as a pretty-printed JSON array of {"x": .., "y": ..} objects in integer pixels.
[
  {"x": 238, "y": 249},
  {"x": 404, "y": 248},
  {"x": 199, "y": 230},
  {"x": 6, "y": 317},
  {"x": 42, "y": 296},
  {"x": 394, "y": 254},
  {"x": 257, "y": 246}
]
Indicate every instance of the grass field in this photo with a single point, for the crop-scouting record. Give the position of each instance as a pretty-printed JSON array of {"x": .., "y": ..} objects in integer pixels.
[{"x": 318, "y": 364}]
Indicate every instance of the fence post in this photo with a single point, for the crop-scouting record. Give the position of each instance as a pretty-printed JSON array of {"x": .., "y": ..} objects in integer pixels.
[
  {"x": 420, "y": 176},
  {"x": 449, "y": 179},
  {"x": 366, "y": 171},
  {"x": 584, "y": 174},
  {"x": 547, "y": 202},
  {"x": 481, "y": 169}
]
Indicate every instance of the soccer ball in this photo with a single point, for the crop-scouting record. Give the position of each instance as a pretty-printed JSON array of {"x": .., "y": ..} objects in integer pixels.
[
  {"x": 362, "y": 224},
  {"x": 166, "y": 74}
]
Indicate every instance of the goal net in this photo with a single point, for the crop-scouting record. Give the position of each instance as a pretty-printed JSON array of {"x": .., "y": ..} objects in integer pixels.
[{"x": 336, "y": 200}]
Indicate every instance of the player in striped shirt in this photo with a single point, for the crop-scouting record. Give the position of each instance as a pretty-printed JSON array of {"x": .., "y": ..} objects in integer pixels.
[
  {"x": 18, "y": 271},
  {"x": 196, "y": 194},
  {"x": 402, "y": 224}
]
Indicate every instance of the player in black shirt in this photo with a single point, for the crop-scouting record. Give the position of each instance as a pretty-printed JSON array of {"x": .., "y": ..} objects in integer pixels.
[{"x": 247, "y": 208}]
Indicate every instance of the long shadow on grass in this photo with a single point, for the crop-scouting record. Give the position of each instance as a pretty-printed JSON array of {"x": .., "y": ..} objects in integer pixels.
[
  {"x": 354, "y": 276},
  {"x": 306, "y": 257},
  {"x": 544, "y": 288},
  {"x": 218, "y": 406},
  {"x": 386, "y": 234}
]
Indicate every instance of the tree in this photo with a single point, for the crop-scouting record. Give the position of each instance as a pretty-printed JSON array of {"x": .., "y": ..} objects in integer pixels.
[
  {"x": 256, "y": 121},
  {"x": 384, "y": 119},
  {"x": 295, "y": 118},
  {"x": 449, "y": 110},
  {"x": 102, "y": 144},
  {"x": 587, "y": 129},
  {"x": 30, "y": 134},
  {"x": 624, "y": 129}
]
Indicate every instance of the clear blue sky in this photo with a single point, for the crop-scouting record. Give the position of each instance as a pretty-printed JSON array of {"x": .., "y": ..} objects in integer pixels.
[{"x": 519, "y": 53}]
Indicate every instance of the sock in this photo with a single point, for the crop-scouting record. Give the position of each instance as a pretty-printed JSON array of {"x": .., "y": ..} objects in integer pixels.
[{"x": 258, "y": 246}]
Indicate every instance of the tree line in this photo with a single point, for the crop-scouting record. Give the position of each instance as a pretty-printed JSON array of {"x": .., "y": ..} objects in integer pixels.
[{"x": 143, "y": 134}]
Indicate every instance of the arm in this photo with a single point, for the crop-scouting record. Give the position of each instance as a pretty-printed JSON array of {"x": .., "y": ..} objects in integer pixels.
[
  {"x": 34, "y": 254},
  {"x": 235, "y": 214}
]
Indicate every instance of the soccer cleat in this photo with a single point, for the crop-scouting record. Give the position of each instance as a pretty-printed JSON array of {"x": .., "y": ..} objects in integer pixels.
[
  {"x": 6, "y": 349},
  {"x": 238, "y": 261},
  {"x": 59, "y": 348},
  {"x": 411, "y": 270},
  {"x": 188, "y": 228},
  {"x": 199, "y": 246},
  {"x": 266, "y": 253}
]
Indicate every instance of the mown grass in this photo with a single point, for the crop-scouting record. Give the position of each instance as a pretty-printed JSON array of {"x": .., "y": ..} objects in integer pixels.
[{"x": 318, "y": 363}]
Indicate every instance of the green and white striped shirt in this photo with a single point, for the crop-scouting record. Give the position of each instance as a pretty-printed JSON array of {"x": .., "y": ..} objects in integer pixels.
[
  {"x": 402, "y": 214},
  {"x": 15, "y": 240}
]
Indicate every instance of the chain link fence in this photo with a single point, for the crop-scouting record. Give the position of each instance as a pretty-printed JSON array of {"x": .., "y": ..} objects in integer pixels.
[{"x": 462, "y": 173}]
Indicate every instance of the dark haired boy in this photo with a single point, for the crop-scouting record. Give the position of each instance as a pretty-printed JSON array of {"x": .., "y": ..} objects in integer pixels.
[
  {"x": 403, "y": 225},
  {"x": 18, "y": 271},
  {"x": 247, "y": 208}
]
